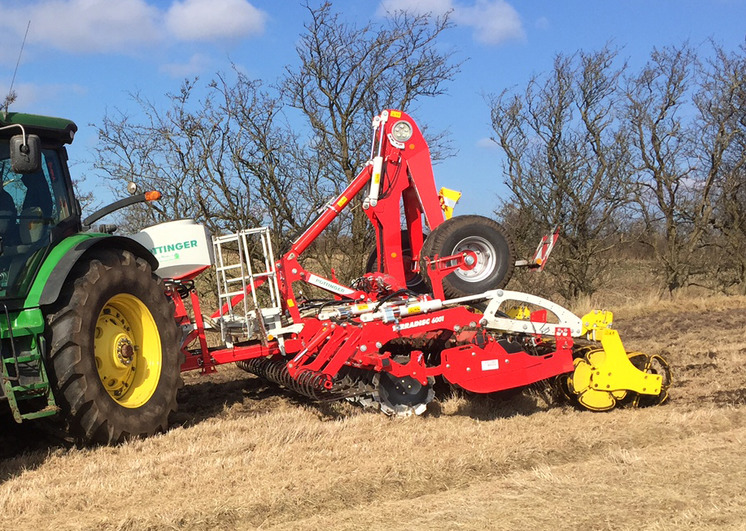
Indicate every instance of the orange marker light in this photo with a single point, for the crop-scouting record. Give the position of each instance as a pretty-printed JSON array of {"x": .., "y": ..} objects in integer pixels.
[{"x": 153, "y": 195}]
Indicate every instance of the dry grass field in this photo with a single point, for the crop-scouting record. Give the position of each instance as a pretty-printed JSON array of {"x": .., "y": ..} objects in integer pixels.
[{"x": 245, "y": 455}]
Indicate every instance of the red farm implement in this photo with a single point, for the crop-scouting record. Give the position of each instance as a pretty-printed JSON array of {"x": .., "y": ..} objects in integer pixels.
[{"x": 431, "y": 305}]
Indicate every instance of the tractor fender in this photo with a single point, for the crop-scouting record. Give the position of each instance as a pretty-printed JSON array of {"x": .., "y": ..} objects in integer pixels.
[{"x": 53, "y": 278}]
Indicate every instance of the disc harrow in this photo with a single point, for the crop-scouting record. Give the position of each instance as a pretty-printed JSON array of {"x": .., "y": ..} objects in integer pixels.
[
  {"x": 431, "y": 306},
  {"x": 402, "y": 396}
]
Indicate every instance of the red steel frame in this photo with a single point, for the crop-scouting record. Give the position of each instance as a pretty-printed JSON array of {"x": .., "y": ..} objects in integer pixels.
[
  {"x": 479, "y": 363},
  {"x": 408, "y": 184}
]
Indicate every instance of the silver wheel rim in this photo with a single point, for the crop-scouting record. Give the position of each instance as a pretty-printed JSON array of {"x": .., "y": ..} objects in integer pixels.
[{"x": 486, "y": 258}]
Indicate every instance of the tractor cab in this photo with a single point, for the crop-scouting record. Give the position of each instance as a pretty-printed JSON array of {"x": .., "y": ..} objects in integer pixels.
[{"x": 37, "y": 206}]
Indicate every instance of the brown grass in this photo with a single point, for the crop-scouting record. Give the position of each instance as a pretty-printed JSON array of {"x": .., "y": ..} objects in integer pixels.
[{"x": 244, "y": 455}]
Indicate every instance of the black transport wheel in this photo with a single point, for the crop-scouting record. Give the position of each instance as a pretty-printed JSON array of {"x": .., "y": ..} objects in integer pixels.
[
  {"x": 415, "y": 281},
  {"x": 114, "y": 355},
  {"x": 487, "y": 239}
]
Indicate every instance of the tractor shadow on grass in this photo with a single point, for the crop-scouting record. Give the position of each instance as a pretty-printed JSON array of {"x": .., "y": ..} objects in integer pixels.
[
  {"x": 207, "y": 396},
  {"x": 26, "y": 446}
]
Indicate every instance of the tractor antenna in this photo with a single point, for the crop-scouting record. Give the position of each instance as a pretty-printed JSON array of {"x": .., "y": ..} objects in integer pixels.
[{"x": 11, "y": 97}]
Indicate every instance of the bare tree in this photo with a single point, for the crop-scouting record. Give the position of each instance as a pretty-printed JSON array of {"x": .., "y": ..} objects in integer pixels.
[
  {"x": 348, "y": 74},
  {"x": 286, "y": 179},
  {"x": 721, "y": 103},
  {"x": 166, "y": 151},
  {"x": 684, "y": 119},
  {"x": 664, "y": 159},
  {"x": 566, "y": 159},
  {"x": 247, "y": 153}
]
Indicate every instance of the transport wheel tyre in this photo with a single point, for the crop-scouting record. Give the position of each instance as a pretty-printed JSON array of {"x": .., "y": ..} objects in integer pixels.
[
  {"x": 415, "y": 281},
  {"x": 483, "y": 236},
  {"x": 114, "y": 355}
]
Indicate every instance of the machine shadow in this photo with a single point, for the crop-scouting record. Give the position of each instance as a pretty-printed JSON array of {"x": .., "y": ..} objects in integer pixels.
[
  {"x": 27, "y": 446},
  {"x": 251, "y": 395}
]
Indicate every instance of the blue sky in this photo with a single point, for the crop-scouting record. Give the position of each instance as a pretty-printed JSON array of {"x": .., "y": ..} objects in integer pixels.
[{"x": 83, "y": 57}]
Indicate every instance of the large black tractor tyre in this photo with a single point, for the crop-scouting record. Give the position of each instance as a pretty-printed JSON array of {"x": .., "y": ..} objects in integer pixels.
[
  {"x": 114, "y": 355},
  {"x": 487, "y": 239}
]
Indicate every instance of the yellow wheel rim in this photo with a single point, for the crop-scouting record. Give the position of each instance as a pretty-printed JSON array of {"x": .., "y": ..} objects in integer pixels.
[{"x": 127, "y": 349}]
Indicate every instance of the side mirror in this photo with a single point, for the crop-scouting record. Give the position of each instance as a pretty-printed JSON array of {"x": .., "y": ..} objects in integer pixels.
[{"x": 25, "y": 158}]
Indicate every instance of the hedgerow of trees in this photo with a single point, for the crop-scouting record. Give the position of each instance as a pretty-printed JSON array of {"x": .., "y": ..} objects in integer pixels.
[{"x": 631, "y": 163}]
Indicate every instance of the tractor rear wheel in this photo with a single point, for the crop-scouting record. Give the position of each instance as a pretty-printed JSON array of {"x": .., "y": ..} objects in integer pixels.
[
  {"x": 490, "y": 243},
  {"x": 114, "y": 353}
]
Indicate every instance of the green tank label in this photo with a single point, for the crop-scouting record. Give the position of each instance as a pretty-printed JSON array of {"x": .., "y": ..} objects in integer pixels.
[{"x": 174, "y": 247}]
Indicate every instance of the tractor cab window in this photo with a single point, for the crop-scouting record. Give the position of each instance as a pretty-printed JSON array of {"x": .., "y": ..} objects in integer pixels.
[{"x": 31, "y": 205}]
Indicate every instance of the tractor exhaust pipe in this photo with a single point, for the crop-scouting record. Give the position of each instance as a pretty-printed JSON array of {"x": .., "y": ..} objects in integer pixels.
[{"x": 152, "y": 195}]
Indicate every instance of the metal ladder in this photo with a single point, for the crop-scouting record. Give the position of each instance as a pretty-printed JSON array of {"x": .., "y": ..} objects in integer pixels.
[
  {"x": 248, "y": 292},
  {"x": 28, "y": 367}
]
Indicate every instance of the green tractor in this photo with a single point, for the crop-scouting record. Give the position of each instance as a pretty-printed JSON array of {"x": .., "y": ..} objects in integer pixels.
[{"x": 87, "y": 332}]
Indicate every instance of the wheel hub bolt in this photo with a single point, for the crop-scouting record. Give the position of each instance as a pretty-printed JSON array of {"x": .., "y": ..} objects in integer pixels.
[{"x": 125, "y": 351}]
